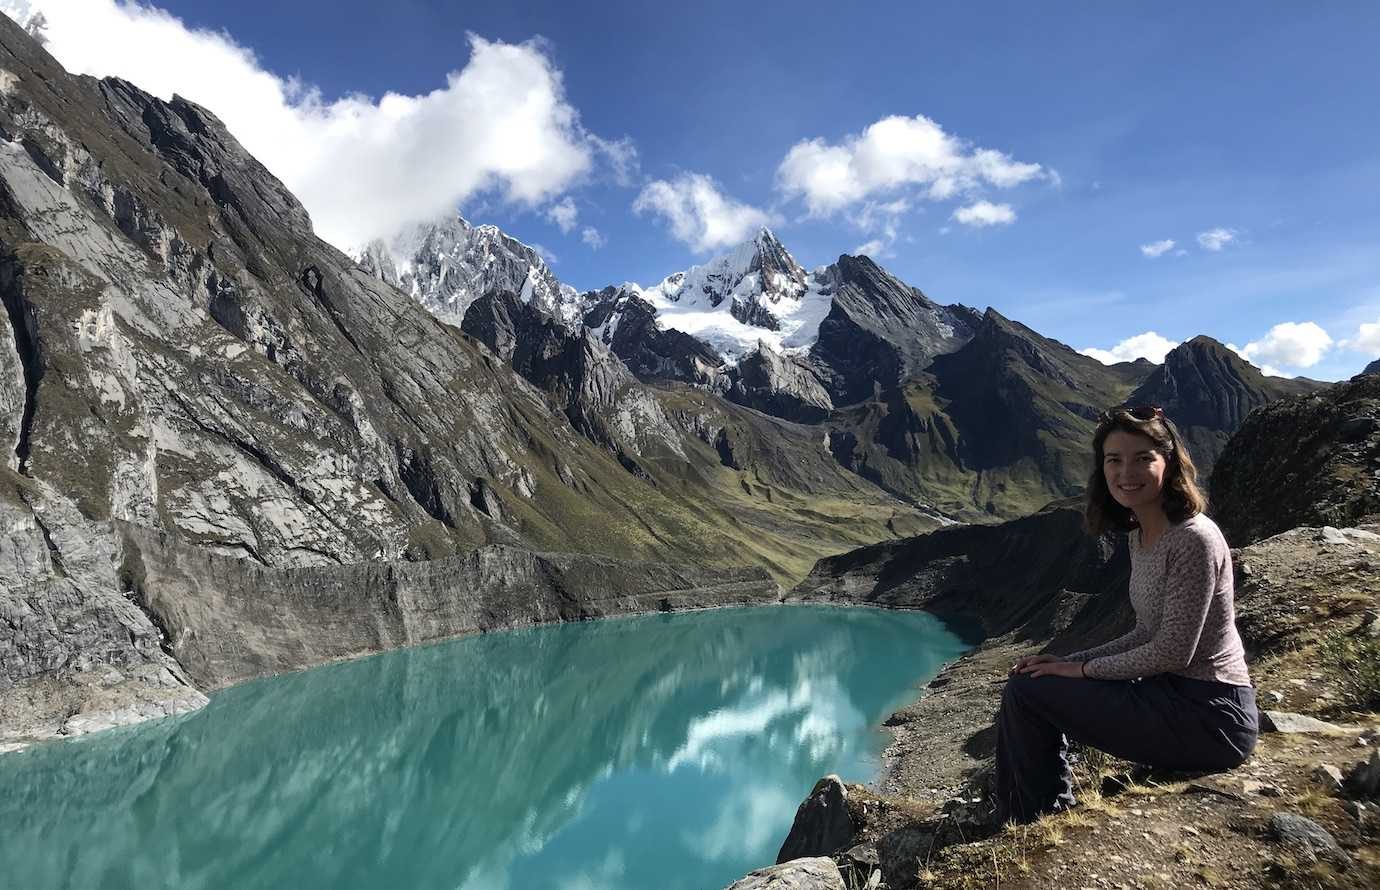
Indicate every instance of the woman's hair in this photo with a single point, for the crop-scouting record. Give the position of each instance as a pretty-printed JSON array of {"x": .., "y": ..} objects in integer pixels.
[{"x": 1182, "y": 498}]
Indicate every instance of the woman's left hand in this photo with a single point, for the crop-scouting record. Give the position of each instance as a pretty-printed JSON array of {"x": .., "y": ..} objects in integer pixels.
[{"x": 1054, "y": 669}]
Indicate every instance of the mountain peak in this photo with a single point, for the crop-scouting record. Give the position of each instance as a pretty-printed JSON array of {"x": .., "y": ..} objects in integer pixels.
[{"x": 448, "y": 263}]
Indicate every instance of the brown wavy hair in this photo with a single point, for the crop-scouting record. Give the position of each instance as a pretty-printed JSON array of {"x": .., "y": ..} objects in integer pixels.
[{"x": 1182, "y": 497}]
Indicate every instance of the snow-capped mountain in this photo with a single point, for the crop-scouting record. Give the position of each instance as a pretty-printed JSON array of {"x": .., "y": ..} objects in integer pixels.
[
  {"x": 755, "y": 293},
  {"x": 448, "y": 265}
]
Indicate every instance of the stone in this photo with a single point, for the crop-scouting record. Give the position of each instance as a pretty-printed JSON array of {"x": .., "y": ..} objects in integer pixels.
[
  {"x": 818, "y": 873},
  {"x": 1328, "y": 776},
  {"x": 1363, "y": 780},
  {"x": 822, "y": 823},
  {"x": 1284, "y": 721},
  {"x": 1306, "y": 839},
  {"x": 1330, "y": 535},
  {"x": 1264, "y": 789},
  {"x": 1275, "y": 697},
  {"x": 863, "y": 854},
  {"x": 901, "y": 852}
]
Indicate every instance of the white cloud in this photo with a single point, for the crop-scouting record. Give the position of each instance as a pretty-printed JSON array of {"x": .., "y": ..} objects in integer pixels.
[
  {"x": 1216, "y": 239},
  {"x": 564, "y": 214},
  {"x": 363, "y": 167},
  {"x": 882, "y": 219},
  {"x": 1292, "y": 344},
  {"x": 985, "y": 213},
  {"x": 892, "y": 153},
  {"x": 1157, "y": 248},
  {"x": 593, "y": 237},
  {"x": 1367, "y": 339},
  {"x": 1148, "y": 345},
  {"x": 698, "y": 214}
]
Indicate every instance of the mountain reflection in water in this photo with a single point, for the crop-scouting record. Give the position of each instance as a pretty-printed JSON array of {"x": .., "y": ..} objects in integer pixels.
[{"x": 661, "y": 751}]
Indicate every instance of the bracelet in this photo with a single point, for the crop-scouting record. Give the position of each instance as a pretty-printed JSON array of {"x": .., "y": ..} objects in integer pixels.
[{"x": 1083, "y": 669}]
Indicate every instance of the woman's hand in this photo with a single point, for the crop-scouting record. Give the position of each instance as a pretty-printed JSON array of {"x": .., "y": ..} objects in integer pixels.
[
  {"x": 1027, "y": 660},
  {"x": 1055, "y": 669}
]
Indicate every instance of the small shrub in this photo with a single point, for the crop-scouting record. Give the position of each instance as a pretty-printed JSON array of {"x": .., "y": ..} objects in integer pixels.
[{"x": 1356, "y": 659}]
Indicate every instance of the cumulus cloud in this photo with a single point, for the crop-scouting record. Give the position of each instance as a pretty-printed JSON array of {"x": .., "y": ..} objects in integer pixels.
[
  {"x": 593, "y": 237},
  {"x": 893, "y": 153},
  {"x": 564, "y": 214},
  {"x": 363, "y": 167},
  {"x": 1148, "y": 345},
  {"x": 1292, "y": 344},
  {"x": 698, "y": 214},
  {"x": 1216, "y": 239},
  {"x": 1157, "y": 248},
  {"x": 1367, "y": 339},
  {"x": 985, "y": 213}
]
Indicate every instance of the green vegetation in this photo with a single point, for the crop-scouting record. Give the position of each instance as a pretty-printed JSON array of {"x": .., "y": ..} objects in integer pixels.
[{"x": 1356, "y": 660}]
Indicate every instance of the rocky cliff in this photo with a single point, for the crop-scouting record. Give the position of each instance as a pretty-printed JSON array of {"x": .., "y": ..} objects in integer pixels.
[
  {"x": 180, "y": 354},
  {"x": 1307, "y": 460}
]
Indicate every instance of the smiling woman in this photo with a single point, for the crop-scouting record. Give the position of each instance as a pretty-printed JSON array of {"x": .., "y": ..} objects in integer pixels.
[{"x": 1174, "y": 692}]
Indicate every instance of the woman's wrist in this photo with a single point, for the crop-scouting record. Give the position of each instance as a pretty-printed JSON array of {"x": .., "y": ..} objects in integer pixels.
[{"x": 1083, "y": 669}]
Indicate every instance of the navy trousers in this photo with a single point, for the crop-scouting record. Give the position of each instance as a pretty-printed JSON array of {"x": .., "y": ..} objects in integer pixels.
[{"x": 1165, "y": 721}]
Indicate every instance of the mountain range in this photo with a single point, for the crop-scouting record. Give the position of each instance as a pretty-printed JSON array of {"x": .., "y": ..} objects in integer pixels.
[{"x": 188, "y": 375}]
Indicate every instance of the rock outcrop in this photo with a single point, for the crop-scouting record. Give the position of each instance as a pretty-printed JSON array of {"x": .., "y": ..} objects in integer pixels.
[
  {"x": 1308, "y": 460},
  {"x": 786, "y": 386}
]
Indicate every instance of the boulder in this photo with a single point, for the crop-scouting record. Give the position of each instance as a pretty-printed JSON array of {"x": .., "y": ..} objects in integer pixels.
[
  {"x": 1306, "y": 839},
  {"x": 818, "y": 873},
  {"x": 822, "y": 824},
  {"x": 1284, "y": 721},
  {"x": 1328, "y": 776},
  {"x": 1363, "y": 780}
]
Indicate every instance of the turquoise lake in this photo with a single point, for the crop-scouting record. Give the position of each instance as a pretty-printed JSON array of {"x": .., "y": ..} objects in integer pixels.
[{"x": 665, "y": 751}]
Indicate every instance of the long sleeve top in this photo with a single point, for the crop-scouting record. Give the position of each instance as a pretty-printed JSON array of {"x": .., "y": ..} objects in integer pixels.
[{"x": 1181, "y": 592}]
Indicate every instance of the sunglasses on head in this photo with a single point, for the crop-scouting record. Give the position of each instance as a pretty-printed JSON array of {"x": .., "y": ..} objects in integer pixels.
[{"x": 1139, "y": 412}]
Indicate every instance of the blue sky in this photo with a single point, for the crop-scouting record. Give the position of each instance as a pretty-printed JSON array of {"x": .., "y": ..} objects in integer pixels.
[{"x": 1115, "y": 129}]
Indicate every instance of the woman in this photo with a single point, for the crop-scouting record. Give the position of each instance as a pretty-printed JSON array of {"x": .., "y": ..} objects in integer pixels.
[{"x": 1174, "y": 692}]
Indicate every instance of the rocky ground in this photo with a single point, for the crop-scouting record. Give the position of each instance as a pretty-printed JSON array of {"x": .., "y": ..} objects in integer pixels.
[{"x": 1283, "y": 819}]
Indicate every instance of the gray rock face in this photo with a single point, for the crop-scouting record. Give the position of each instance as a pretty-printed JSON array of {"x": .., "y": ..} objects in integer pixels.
[
  {"x": 880, "y": 330},
  {"x": 819, "y": 873},
  {"x": 227, "y": 620},
  {"x": 1372, "y": 368},
  {"x": 822, "y": 825},
  {"x": 786, "y": 386},
  {"x": 591, "y": 385}
]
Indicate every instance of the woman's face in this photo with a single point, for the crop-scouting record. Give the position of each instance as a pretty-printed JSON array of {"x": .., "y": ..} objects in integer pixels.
[{"x": 1134, "y": 469}]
